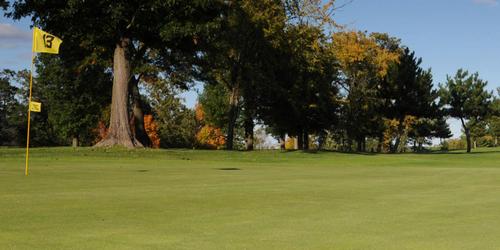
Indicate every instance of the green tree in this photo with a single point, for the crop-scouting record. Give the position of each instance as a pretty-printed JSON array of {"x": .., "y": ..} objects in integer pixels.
[
  {"x": 176, "y": 122},
  {"x": 215, "y": 102},
  {"x": 73, "y": 105},
  {"x": 364, "y": 60},
  {"x": 237, "y": 57},
  {"x": 42, "y": 133},
  {"x": 8, "y": 107},
  {"x": 408, "y": 91},
  {"x": 466, "y": 99},
  {"x": 122, "y": 32},
  {"x": 494, "y": 120},
  {"x": 478, "y": 129}
]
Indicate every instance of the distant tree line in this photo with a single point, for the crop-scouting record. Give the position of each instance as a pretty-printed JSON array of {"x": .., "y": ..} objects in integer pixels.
[{"x": 280, "y": 65}]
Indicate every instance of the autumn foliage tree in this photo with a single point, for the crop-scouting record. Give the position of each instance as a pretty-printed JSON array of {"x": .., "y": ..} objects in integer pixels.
[
  {"x": 364, "y": 63},
  {"x": 208, "y": 136}
]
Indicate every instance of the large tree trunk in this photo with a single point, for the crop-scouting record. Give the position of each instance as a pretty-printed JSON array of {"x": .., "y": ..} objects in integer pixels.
[
  {"x": 321, "y": 140},
  {"x": 119, "y": 126},
  {"x": 300, "y": 140},
  {"x": 233, "y": 111},
  {"x": 360, "y": 143},
  {"x": 467, "y": 135},
  {"x": 249, "y": 140},
  {"x": 139, "y": 129},
  {"x": 398, "y": 138},
  {"x": 282, "y": 141},
  {"x": 306, "y": 141},
  {"x": 469, "y": 143},
  {"x": 380, "y": 144}
]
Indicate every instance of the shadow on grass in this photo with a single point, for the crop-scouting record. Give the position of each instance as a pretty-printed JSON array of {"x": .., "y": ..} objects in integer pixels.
[
  {"x": 229, "y": 169},
  {"x": 429, "y": 152},
  {"x": 460, "y": 152}
]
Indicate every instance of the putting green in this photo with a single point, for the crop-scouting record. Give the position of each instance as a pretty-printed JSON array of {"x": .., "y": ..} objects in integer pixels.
[{"x": 183, "y": 199}]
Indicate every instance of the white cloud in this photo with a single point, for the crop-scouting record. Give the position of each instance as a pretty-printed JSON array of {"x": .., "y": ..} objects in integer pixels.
[
  {"x": 486, "y": 2},
  {"x": 12, "y": 37},
  {"x": 11, "y": 32}
]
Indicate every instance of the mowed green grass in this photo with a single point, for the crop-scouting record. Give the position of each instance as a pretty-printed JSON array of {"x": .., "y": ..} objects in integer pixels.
[{"x": 183, "y": 199}]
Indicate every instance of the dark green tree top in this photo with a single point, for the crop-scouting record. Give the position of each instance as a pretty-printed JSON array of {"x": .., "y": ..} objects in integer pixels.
[
  {"x": 465, "y": 96},
  {"x": 98, "y": 25}
]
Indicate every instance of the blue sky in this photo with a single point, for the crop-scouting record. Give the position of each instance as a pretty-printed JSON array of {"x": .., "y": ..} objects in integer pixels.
[{"x": 447, "y": 34}]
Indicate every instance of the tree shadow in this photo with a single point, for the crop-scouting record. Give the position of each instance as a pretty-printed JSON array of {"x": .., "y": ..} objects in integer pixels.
[
  {"x": 429, "y": 152},
  {"x": 458, "y": 152}
]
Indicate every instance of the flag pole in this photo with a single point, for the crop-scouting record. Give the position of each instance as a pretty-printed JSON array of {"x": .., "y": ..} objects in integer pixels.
[{"x": 29, "y": 107}]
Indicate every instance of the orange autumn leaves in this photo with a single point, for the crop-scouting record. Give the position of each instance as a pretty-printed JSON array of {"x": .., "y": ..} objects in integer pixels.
[
  {"x": 357, "y": 50},
  {"x": 151, "y": 128},
  {"x": 208, "y": 136}
]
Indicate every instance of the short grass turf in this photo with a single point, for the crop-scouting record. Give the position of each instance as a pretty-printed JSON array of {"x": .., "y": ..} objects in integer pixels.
[{"x": 183, "y": 199}]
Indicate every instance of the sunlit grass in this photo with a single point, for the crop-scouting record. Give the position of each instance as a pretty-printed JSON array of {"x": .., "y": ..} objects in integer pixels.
[{"x": 184, "y": 199}]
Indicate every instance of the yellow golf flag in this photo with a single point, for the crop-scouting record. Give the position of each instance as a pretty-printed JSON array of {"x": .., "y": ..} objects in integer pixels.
[
  {"x": 44, "y": 42},
  {"x": 36, "y": 106}
]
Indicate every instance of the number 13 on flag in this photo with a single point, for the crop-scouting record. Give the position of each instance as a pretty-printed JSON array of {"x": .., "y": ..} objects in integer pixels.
[{"x": 44, "y": 42}]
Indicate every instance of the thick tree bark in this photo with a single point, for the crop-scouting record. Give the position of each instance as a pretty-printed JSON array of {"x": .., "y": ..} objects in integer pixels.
[
  {"x": 119, "y": 126},
  {"x": 467, "y": 135},
  {"x": 249, "y": 136},
  {"x": 233, "y": 111},
  {"x": 306, "y": 141},
  {"x": 469, "y": 143},
  {"x": 139, "y": 130}
]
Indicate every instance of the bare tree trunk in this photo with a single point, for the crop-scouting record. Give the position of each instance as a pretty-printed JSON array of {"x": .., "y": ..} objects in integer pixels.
[
  {"x": 282, "y": 141},
  {"x": 300, "y": 140},
  {"x": 249, "y": 140},
  {"x": 138, "y": 114},
  {"x": 306, "y": 140},
  {"x": 400, "y": 134},
  {"x": 467, "y": 135},
  {"x": 233, "y": 113},
  {"x": 321, "y": 140},
  {"x": 380, "y": 144},
  {"x": 469, "y": 143},
  {"x": 74, "y": 141},
  {"x": 119, "y": 126},
  {"x": 361, "y": 147}
]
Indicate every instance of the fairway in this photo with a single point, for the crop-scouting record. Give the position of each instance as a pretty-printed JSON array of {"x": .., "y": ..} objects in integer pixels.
[{"x": 183, "y": 199}]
